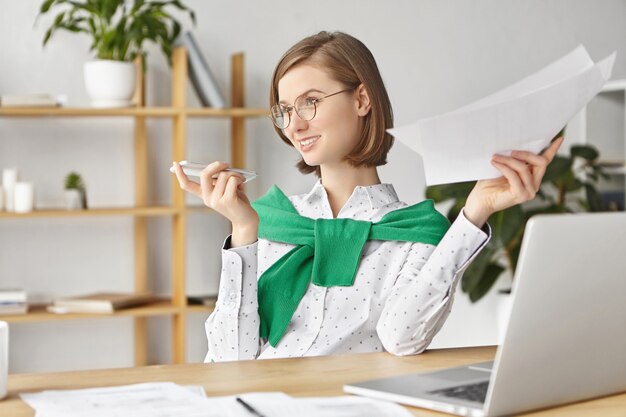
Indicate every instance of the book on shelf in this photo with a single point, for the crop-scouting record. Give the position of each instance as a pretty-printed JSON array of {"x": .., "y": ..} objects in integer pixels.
[
  {"x": 205, "y": 300},
  {"x": 13, "y": 301},
  {"x": 12, "y": 295},
  {"x": 203, "y": 81},
  {"x": 101, "y": 302},
  {"x": 13, "y": 308},
  {"x": 31, "y": 100}
]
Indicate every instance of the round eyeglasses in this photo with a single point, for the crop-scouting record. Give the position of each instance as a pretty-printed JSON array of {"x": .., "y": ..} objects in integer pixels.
[{"x": 305, "y": 107}]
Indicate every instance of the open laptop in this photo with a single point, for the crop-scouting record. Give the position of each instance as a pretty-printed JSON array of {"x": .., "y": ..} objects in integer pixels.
[{"x": 566, "y": 336}]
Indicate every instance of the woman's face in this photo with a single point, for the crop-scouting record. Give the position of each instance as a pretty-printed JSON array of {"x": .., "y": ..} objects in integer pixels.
[{"x": 335, "y": 130}]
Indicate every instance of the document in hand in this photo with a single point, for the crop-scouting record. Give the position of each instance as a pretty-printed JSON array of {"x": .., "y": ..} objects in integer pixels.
[{"x": 458, "y": 146}]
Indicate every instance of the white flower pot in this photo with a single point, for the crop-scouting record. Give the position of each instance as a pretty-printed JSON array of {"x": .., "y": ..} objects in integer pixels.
[
  {"x": 73, "y": 199},
  {"x": 110, "y": 83}
]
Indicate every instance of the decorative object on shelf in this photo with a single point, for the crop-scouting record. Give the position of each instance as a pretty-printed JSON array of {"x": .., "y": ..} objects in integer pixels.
[
  {"x": 560, "y": 192},
  {"x": 24, "y": 197},
  {"x": 201, "y": 77},
  {"x": 9, "y": 178},
  {"x": 110, "y": 83},
  {"x": 101, "y": 302},
  {"x": 75, "y": 192},
  {"x": 118, "y": 29}
]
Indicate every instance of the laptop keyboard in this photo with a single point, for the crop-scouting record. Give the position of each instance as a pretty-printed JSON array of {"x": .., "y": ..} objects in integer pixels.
[{"x": 472, "y": 392}]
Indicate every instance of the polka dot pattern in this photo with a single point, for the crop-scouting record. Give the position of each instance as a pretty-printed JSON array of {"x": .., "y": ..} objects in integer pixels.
[{"x": 401, "y": 296}]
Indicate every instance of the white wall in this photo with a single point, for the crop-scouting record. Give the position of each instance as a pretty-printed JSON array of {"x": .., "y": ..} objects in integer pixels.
[{"x": 434, "y": 56}]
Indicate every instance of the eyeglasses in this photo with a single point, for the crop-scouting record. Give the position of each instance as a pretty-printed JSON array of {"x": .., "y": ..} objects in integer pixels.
[{"x": 305, "y": 107}]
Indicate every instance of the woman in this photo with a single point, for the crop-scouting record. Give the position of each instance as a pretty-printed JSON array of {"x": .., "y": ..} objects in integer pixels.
[{"x": 347, "y": 267}]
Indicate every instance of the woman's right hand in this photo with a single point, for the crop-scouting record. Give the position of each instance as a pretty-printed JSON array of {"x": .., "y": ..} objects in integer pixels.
[{"x": 225, "y": 195}]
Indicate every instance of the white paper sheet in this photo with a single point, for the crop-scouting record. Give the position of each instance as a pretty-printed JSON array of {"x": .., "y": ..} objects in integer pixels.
[
  {"x": 458, "y": 146},
  {"x": 161, "y": 399},
  {"x": 349, "y": 406},
  {"x": 167, "y": 399},
  {"x": 342, "y": 406}
]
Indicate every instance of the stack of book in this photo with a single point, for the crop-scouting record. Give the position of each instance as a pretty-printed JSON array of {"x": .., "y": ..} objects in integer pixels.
[
  {"x": 13, "y": 301},
  {"x": 102, "y": 302},
  {"x": 31, "y": 100}
]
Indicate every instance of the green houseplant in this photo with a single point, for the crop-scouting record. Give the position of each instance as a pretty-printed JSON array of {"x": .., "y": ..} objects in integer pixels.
[
  {"x": 569, "y": 185},
  {"x": 75, "y": 192},
  {"x": 119, "y": 30}
]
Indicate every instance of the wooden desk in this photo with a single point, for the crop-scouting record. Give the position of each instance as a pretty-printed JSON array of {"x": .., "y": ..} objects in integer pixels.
[{"x": 299, "y": 377}]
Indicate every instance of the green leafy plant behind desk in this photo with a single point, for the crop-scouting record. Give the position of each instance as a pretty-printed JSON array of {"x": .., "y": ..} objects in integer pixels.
[
  {"x": 118, "y": 28},
  {"x": 569, "y": 185}
]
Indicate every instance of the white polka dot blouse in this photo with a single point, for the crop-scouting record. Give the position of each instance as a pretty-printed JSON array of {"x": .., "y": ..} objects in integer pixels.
[{"x": 401, "y": 296}]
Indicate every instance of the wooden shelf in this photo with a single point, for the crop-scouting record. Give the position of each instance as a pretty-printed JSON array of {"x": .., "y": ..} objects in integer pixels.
[
  {"x": 121, "y": 211},
  {"x": 232, "y": 112},
  {"x": 131, "y": 112},
  {"x": 179, "y": 114},
  {"x": 161, "y": 308},
  {"x": 86, "y": 111}
]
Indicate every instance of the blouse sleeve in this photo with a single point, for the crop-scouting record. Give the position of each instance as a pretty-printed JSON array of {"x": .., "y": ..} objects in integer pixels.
[
  {"x": 422, "y": 296},
  {"x": 233, "y": 328}
]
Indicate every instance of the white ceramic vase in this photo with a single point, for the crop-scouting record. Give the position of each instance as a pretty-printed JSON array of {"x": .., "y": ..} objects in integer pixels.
[
  {"x": 110, "y": 83},
  {"x": 73, "y": 199},
  {"x": 23, "y": 197},
  {"x": 9, "y": 178}
]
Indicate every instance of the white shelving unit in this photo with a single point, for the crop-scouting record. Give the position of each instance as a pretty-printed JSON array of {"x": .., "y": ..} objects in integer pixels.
[{"x": 602, "y": 123}]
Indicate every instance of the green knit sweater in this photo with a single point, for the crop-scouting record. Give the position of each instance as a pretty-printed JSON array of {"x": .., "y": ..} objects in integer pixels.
[{"x": 327, "y": 251}]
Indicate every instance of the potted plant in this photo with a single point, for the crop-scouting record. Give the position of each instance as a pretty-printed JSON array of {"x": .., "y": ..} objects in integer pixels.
[
  {"x": 119, "y": 30},
  {"x": 569, "y": 185},
  {"x": 75, "y": 192}
]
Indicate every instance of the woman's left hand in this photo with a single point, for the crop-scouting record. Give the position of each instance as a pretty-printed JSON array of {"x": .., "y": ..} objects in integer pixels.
[{"x": 522, "y": 174}]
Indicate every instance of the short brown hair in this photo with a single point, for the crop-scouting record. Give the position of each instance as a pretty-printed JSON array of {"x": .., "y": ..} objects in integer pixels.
[{"x": 348, "y": 61}]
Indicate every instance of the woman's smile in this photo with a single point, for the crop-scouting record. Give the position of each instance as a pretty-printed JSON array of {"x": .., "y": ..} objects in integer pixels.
[{"x": 307, "y": 143}]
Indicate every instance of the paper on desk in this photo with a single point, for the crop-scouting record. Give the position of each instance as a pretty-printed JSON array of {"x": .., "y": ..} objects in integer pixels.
[
  {"x": 458, "y": 145},
  {"x": 161, "y": 399},
  {"x": 281, "y": 405},
  {"x": 347, "y": 406},
  {"x": 167, "y": 399}
]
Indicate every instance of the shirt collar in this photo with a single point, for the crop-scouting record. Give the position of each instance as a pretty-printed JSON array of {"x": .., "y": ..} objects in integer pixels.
[{"x": 378, "y": 195}]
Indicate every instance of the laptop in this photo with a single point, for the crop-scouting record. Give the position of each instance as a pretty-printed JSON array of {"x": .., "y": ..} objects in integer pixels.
[{"x": 565, "y": 340}]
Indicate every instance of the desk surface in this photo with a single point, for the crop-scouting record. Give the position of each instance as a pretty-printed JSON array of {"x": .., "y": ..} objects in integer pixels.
[{"x": 299, "y": 377}]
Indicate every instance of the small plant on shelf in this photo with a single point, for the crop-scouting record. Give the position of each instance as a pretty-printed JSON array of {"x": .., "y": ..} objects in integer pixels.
[{"x": 75, "y": 192}]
